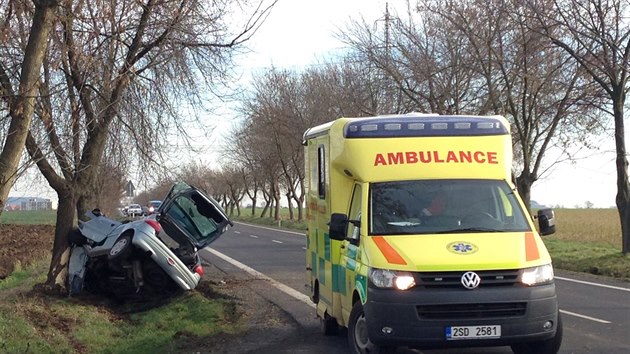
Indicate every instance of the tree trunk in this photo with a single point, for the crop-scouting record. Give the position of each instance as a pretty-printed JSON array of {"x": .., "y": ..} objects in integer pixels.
[
  {"x": 288, "y": 195},
  {"x": 524, "y": 185},
  {"x": 58, "y": 272},
  {"x": 22, "y": 106},
  {"x": 299, "y": 201},
  {"x": 276, "y": 209},
  {"x": 623, "y": 189},
  {"x": 253, "y": 206}
]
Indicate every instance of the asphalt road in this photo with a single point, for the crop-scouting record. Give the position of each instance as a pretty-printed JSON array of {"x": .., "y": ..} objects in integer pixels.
[{"x": 595, "y": 310}]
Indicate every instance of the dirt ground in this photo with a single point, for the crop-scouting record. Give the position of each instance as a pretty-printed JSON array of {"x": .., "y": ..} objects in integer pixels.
[
  {"x": 21, "y": 244},
  {"x": 265, "y": 323}
]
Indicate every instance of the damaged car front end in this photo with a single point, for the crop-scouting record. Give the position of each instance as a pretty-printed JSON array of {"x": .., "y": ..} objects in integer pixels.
[{"x": 156, "y": 255}]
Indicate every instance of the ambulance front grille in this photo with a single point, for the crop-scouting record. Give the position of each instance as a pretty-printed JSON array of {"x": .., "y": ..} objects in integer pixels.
[
  {"x": 489, "y": 278},
  {"x": 463, "y": 311}
]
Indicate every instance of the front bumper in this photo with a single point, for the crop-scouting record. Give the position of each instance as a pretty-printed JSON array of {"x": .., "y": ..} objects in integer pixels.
[{"x": 419, "y": 317}]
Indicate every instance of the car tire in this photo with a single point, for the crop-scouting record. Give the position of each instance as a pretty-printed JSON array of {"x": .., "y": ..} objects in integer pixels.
[
  {"x": 328, "y": 325},
  {"x": 549, "y": 346},
  {"x": 358, "y": 338},
  {"x": 121, "y": 248}
]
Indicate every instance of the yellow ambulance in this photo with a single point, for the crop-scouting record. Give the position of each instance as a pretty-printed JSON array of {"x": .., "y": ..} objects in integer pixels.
[{"x": 417, "y": 236}]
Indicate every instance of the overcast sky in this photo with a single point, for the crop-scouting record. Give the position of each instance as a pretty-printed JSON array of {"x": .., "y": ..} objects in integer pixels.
[{"x": 299, "y": 33}]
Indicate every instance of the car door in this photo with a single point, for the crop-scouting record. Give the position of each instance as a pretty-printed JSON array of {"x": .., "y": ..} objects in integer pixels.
[{"x": 188, "y": 213}]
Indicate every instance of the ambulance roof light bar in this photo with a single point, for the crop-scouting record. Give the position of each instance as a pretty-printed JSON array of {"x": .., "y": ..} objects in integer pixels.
[{"x": 424, "y": 125}]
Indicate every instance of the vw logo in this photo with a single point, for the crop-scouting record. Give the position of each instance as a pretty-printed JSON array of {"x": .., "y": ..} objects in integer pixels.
[{"x": 470, "y": 280}]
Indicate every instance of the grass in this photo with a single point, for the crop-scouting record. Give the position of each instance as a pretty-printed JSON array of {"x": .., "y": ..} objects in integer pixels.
[
  {"x": 587, "y": 240},
  {"x": 34, "y": 217},
  {"x": 33, "y": 323}
]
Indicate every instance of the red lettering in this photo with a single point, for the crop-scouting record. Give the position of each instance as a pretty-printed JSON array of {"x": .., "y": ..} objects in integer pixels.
[
  {"x": 465, "y": 156},
  {"x": 492, "y": 158},
  {"x": 411, "y": 156},
  {"x": 379, "y": 160},
  {"x": 395, "y": 158},
  {"x": 451, "y": 157},
  {"x": 479, "y": 157},
  {"x": 436, "y": 157},
  {"x": 423, "y": 158}
]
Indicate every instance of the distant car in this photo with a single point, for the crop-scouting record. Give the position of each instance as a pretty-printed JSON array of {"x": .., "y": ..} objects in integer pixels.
[
  {"x": 134, "y": 210},
  {"x": 153, "y": 206}
]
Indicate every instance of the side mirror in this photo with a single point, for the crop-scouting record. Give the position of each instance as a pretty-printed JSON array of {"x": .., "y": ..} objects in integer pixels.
[
  {"x": 338, "y": 226},
  {"x": 546, "y": 221}
]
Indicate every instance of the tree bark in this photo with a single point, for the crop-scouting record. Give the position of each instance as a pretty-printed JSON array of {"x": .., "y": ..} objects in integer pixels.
[
  {"x": 524, "y": 184},
  {"x": 623, "y": 189},
  {"x": 58, "y": 271},
  {"x": 21, "y": 108}
]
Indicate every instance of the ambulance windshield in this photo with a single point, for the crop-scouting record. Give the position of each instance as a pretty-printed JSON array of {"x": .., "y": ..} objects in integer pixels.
[{"x": 444, "y": 206}]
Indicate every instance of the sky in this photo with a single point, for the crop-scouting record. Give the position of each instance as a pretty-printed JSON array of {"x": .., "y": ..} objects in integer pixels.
[{"x": 300, "y": 33}]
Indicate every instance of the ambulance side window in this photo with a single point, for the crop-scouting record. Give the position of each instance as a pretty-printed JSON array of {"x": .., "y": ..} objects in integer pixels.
[
  {"x": 355, "y": 214},
  {"x": 321, "y": 171}
]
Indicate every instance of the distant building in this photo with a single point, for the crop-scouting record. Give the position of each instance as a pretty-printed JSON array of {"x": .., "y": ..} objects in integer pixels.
[{"x": 28, "y": 203}]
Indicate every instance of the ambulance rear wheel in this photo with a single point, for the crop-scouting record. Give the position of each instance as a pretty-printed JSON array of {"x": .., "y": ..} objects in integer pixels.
[
  {"x": 358, "y": 338},
  {"x": 328, "y": 325}
]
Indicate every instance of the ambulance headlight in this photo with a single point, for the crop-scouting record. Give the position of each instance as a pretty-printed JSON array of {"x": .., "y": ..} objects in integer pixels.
[
  {"x": 384, "y": 278},
  {"x": 537, "y": 275}
]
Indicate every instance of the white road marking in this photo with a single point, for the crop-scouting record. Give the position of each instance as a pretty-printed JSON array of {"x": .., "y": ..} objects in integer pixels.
[
  {"x": 584, "y": 316},
  {"x": 276, "y": 241},
  {"x": 253, "y": 236},
  {"x": 299, "y": 296},
  {"x": 237, "y": 232},
  {"x": 593, "y": 284},
  {"x": 270, "y": 228},
  {"x": 258, "y": 275}
]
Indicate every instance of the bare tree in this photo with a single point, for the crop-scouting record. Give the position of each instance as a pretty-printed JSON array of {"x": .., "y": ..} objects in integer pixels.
[
  {"x": 596, "y": 34},
  {"x": 524, "y": 77},
  {"x": 20, "y": 103},
  {"x": 116, "y": 73},
  {"x": 423, "y": 60}
]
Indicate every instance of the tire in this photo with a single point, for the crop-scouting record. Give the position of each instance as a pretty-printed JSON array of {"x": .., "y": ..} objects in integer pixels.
[
  {"x": 328, "y": 325},
  {"x": 121, "y": 248},
  {"x": 549, "y": 346},
  {"x": 358, "y": 338}
]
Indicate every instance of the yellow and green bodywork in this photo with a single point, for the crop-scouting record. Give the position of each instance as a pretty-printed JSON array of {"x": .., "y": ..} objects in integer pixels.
[{"x": 337, "y": 165}]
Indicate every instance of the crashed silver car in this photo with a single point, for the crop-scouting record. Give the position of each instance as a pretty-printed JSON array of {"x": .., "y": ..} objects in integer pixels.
[{"x": 156, "y": 255}]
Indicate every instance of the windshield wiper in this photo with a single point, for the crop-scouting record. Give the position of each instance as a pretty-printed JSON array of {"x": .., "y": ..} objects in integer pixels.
[{"x": 468, "y": 229}]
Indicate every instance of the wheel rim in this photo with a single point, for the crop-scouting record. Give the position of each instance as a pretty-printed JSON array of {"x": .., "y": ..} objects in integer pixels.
[
  {"x": 118, "y": 246},
  {"x": 361, "y": 338}
]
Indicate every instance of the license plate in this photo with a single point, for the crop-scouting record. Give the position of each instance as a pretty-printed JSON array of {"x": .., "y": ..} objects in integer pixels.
[{"x": 473, "y": 332}]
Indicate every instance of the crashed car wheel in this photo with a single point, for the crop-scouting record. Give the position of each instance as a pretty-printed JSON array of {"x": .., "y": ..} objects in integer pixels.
[{"x": 121, "y": 248}]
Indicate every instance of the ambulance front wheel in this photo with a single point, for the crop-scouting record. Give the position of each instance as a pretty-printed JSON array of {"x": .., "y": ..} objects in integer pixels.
[{"x": 358, "y": 338}]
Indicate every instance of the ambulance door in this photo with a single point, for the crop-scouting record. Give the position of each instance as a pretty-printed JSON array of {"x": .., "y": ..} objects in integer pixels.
[{"x": 350, "y": 252}]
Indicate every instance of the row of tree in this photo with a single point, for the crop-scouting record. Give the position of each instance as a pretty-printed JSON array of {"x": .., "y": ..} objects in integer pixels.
[
  {"x": 89, "y": 87},
  {"x": 556, "y": 69},
  {"x": 108, "y": 83}
]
